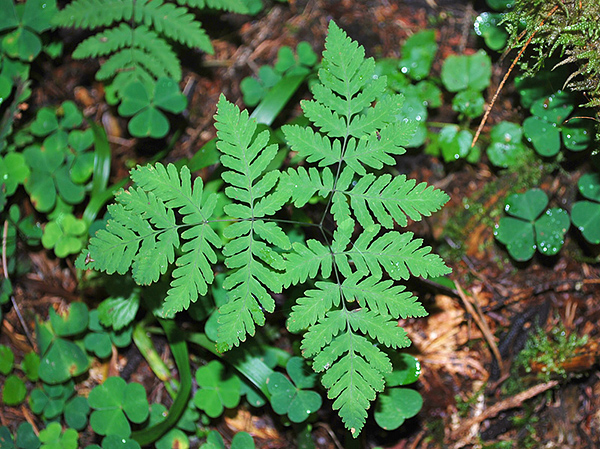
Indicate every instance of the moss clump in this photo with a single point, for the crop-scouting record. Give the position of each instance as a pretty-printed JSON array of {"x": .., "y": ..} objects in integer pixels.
[{"x": 567, "y": 28}]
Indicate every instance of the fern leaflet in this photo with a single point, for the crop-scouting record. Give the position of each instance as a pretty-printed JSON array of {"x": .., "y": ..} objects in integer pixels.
[
  {"x": 256, "y": 266},
  {"x": 143, "y": 234}
]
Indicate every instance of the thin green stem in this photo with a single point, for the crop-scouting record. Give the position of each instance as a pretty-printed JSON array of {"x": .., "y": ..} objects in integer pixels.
[{"x": 176, "y": 338}]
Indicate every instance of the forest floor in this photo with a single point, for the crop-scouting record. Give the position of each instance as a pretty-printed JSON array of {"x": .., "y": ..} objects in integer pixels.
[{"x": 475, "y": 328}]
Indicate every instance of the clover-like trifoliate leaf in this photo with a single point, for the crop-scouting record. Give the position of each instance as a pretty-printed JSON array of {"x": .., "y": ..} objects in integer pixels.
[
  {"x": 467, "y": 72},
  {"x": 506, "y": 148},
  {"x": 216, "y": 391},
  {"x": 26, "y": 437},
  {"x": 13, "y": 390},
  {"x": 241, "y": 440},
  {"x": 115, "y": 403},
  {"x": 13, "y": 171},
  {"x": 292, "y": 398},
  {"x": 52, "y": 437},
  {"x": 116, "y": 442},
  {"x": 31, "y": 366},
  {"x": 407, "y": 370},
  {"x": 174, "y": 438},
  {"x": 527, "y": 206},
  {"x": 7, "y": 359},
  {"x": 71, "y": 322},
  {"x": 524, "y": 231},
  {"x": 146, "y": 107},
  {"x": 168, "y": 97},
  {"x": 396, "y": 405},
  {"x": 76, "y": 412},
  {"x": 418, "y": 53},
  {"x": 62, "y": 361},
  {"x": 586, "y": 214}
]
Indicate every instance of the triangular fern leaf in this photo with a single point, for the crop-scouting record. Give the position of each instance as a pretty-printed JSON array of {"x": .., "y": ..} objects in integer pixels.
[
  {"x": 131, "y": 240},
  {"x": 382, "y": 296},
  {"x": 142, "y": 38},
  {"x": 175, "y": 22},
  {"x": 143, "y": 233},
  {"x": 93, "y": 13}
]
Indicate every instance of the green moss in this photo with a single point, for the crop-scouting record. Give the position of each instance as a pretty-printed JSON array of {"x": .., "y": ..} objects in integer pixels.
[{"x": 568, "y": 29}]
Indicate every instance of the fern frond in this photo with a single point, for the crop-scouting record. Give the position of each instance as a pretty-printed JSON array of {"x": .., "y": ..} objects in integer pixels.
[
  {"x": 141, "y": 38},
  {"x": 175, "y": 22},
  {"x": 236, "y": 6},
  {"x": 104, "y": 43},
  {"x": 92, "y": 14},
  {"x": 256, "y": 267}
]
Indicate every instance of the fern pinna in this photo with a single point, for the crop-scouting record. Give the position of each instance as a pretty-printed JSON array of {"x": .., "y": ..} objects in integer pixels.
[{"x": 352, "y": 301}]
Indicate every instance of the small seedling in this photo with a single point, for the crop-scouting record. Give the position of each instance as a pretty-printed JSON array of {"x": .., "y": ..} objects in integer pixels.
[
  {"x": 488, "y": 26},
  {"x": 472, "y": 72},
  {"x": 291, "y": 397},
  {"x": 586, "y": 214},
  {"x": 418, "y": 53},
  {"x": 528, "y": 228}
]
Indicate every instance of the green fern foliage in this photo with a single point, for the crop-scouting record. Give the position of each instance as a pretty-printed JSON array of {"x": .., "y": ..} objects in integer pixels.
[
  {"x": 136, "y": 35},
  {"x": 352, "y": 265}
]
